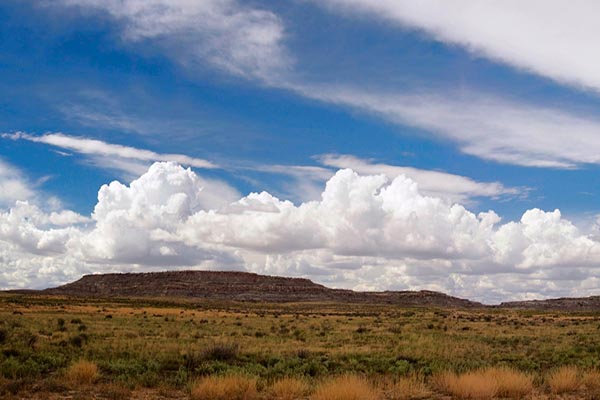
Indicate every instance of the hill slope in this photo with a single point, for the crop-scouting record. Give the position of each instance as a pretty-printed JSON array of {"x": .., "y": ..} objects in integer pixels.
[
  {"x": 242, "y": 286},
  {"x": 591, "y": 303}
]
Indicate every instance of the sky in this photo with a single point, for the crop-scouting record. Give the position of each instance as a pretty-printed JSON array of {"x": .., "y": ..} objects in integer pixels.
[{"x": 389, "y": 145}]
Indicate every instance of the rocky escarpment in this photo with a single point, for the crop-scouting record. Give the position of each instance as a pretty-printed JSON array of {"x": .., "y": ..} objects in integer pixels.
[{"x": 242, "y": 286}]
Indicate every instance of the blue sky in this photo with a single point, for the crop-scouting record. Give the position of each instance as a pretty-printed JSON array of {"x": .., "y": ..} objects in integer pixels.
[{"x": 278, "y": 96}]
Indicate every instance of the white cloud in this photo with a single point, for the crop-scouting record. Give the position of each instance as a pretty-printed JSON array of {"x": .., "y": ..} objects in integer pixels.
[
  {"x": 227, "y": 34},
  {"x": 302, "y": 183},
  {"x": 13, "y": 185},
  {"x": 365, "y": 232},
  {"x": 491, "y": 128},
  {"x": 432, "y": 183},
  {"x": 548, "y": 38},
  {"x": 131, "y": 162},
  {"x": 27, "y": 227},
  {"x": 556, "y": 39},
  {"x": 133, "y": 223}
]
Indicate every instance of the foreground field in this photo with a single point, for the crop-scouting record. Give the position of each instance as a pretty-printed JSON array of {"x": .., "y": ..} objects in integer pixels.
[{"x": 72, "y": 348}]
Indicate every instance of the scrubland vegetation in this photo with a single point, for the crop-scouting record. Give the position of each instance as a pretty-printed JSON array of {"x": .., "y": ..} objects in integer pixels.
[{"x": 54, "y": 348}]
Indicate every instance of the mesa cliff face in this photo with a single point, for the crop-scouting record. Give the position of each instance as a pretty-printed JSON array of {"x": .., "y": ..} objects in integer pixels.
[{"x": 242, "y": 286}]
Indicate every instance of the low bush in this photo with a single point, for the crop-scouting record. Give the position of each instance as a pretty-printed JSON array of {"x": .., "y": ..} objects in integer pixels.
[{"x": 221, "y": 352}]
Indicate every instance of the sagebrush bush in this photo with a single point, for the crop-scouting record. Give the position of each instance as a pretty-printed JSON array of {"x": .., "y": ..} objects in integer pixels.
[
  {"x": 82, "y": 372},
  {"x": 563, "y": 380},
  {"x": 232, "y": 387},
  {"x": 221, "y": 352},
  {"x": 347, "y": 387}
]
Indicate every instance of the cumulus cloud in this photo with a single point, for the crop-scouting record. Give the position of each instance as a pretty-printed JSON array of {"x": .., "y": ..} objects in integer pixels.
[
  {"x": 432, "y": 183},
  {"x": 555, "y": 39},
  {"x": 26, "y": 226},
  {"x": 226, "y": 34},
  {"x": 134, "y": 223},
  {"x": 365, "y": 232}
]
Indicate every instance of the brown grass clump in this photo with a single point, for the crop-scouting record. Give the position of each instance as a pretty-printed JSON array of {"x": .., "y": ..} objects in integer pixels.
[
  {"x": 288, "y": 389},
  {"x": 82, "y": 372},
  {"x": 591, "y": 380},
  {"x": 406, "y": 388},
  {"x": 470, "y": 385},
  {"x": 346, "y": 387},
  {"x": 230, "y": 387},
  {"x": 564, "y": 380},
  {"x": 511, "y": 383},
  {"x": 486, "y": 383}
]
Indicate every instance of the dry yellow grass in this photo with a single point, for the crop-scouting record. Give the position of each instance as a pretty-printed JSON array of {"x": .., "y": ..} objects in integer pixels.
[
  {"x": 406, "y": 388},
  {"x": 591, "y": 380},
  {"x": 470, "y": 385},
  {"x": 346, "y": 387},
  {"x": 230, "y": 387},
  {"x": 511, "y": 383},
  {"x": 486, "y": 383},
  {"x": 563, "y": 380},
  {"x": 82, "y": 372},
  {"x": 288, "y": 389}
]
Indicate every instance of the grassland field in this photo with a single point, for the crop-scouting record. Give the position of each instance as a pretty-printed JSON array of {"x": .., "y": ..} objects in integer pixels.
[{"x": 154, "y": 348}]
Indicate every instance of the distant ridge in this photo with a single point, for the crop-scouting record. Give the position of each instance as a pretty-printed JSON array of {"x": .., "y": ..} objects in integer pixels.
[
  {"x": 245, "y": 286},
  {"x": 591, "y": 303},
  {"x": 242, "y": 286}
]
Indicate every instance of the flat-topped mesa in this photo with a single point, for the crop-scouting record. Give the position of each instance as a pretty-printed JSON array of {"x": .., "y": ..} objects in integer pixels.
[
  {"x": 206, "y": 284},
  {"x": 244, "y": 286}
]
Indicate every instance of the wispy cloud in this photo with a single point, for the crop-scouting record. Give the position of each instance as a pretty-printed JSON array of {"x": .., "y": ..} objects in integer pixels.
[
  {"x": 555, "y": 39},
  {"x": 249, "y": 42},
  {"x": 108, "y": 151},
  {"x": 243, "y": 40},
  {"x": 492, "y": 128},
  {"x": 13, "y": 185}
]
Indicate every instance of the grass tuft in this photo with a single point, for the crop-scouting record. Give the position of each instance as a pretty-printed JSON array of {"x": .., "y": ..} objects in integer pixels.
[
  {"x": 82, "y": 372},
  {"x": 486, "y": 383},
  {"x": 511, "y": 383},
  {"x": 231, "y": 387},
  {"x": 406, "y": 388},
  {"x": 591, "y": 380},
  {"x": 565, "y": 379},
  {"x": 470, "y": 385},
  {"x": 346, "y": 387},
  {"x": 288, "y": 389}
]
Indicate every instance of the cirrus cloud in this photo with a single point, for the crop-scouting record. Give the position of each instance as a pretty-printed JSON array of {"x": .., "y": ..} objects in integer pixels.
[{"x": 555, "y": 39}]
